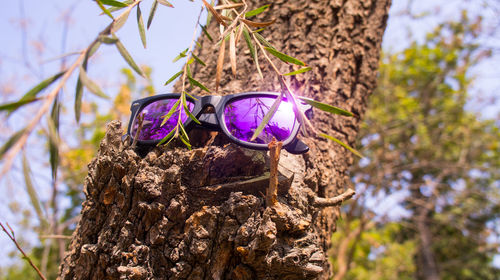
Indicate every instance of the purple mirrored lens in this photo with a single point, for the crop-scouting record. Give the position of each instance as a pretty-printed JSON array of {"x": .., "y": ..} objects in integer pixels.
[
  {"x": 243, "y": 116},
  {"x": 153, "y": 117}
]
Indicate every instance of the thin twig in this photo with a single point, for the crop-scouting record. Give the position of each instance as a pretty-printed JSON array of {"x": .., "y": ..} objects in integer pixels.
[
  {"x": 321, "y": 202},
  {"x": 140, "y": 119},
  {"x": 235, "y": 21},
  {"x": 55, "y": 236},
  {"x": 184, "y": 73},
  {"x": 13, "y": 238},
  {"x": 189, "y": 52},
  {"x": 272, "y": 190}
]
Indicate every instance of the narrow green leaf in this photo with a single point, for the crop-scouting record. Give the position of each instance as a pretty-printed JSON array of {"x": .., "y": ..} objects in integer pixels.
[
  {"x": 78, "y": 100},
  {"x": 79, "y": 94},
  {"x": 184, "y": 137},
  {"x": 55, "y": 113},
  {"x": 92, "y": 49},
  {"x": 326, "y": 107},
  {"x": 107, "y": 40},
  {"x": 256, "y": 11},
  {"x": 246, "y": 35},
  {"x": 181, "y": 55},
  {"x": 10, "y": 142},
  {"x": 198, "y": 84},
  {"x": 174, "y": 77},
  {"x": 30, "y": 189},
  {"x": 128, "y": 58},
  {"x": 185, "y": 141},
  {"x": 91, "y": 85},
  {"x": 283, "y": 57},
  {"x": 186, "y": 109},
  {"x": 301, "y": 70},
  {"x": 53, "y": 123},
  {"x": 183, "y": 132},
  {"x": 342, "y": 144},
  {"x": 140, "y": 24},
  {"x": 119, "y": 22},
  {"x": 103, "y": 9},
  {"x": 30, "y": 96},
  {"x": 263, "y": 41},
  {"x": 152, "y": 13},
  {"x": 41, "y": 86},
  {"x": 206, "y": 32},
  {"x": 168, "y": 137},
  {"x": 253, "y": 51},
  {"x": 165, "y": 3},
  {"x": 126, "y": 2},
  {"x": 188, "y": 70},
  {"x": 15, "y": 105},
  {"x": 198, "y": 60},
  {"x": 267, "y": 117},
  {"x": 170, "y": 112},
  {"x": 190, "y": 95},
  {"x": 113, "y": 3}
]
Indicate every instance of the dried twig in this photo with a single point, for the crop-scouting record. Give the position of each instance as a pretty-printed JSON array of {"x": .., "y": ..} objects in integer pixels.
[
  {"x": 55, "y": 236},
  {"x": 272, "y": 190},
  {"x": 140, "y": 119},
  {"x": 13, "y": 238},
  {"x": 334, "y": 201}
]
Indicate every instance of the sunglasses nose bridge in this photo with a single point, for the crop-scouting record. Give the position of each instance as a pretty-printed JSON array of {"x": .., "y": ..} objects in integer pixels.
[
  {"x": 213, "y": 100},
  {"x": 210, "y": 120}
]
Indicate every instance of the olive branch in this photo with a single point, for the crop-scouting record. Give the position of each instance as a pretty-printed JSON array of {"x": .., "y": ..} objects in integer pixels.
[{"x": 234, "y": 24}]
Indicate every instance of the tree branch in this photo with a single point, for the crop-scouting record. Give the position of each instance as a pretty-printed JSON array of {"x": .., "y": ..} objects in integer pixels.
[
  {"x": 272, "y": 190},
  {"x": 13, "y": 238},
  {"x": 321, "y": 202}
]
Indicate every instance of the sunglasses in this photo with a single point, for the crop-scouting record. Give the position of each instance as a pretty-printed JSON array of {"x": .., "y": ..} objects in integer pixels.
[{"x": 236, "y": 115}]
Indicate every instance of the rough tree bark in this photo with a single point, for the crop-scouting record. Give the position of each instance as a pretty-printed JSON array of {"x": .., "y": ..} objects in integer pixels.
[{"x": 179, "y": 214}]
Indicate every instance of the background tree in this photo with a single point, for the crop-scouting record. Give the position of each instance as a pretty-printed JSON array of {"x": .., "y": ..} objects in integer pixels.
[{"x": 431, "y": 161}]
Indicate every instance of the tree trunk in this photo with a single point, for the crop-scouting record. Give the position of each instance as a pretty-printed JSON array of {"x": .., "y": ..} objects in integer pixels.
[{"x": 200, "y": 214}]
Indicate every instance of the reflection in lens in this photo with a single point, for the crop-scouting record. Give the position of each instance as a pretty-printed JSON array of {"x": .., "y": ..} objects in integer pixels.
[
  {"x": 243, "y": 116},
  {"x": 153, "y": 115}
]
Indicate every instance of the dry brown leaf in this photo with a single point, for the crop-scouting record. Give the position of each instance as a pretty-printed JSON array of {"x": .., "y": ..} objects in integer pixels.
[
  {"x": 226, "y": 18},
  {"x": 240, "y": 31},
  {"x": 228, "y": 6},
  {"x": 258, "y": 24},
  {"x": 220, "y": 64},
  {"x": 218, "y": 17},
  {"x": 232, "y": 52}
]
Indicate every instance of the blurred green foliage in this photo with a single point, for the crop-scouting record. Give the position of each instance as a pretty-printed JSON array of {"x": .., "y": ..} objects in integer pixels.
[{"x": 442, "y": 161}]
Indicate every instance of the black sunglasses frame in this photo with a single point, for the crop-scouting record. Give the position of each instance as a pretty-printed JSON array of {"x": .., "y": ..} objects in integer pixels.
[{"x": 215, "y": 121}]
